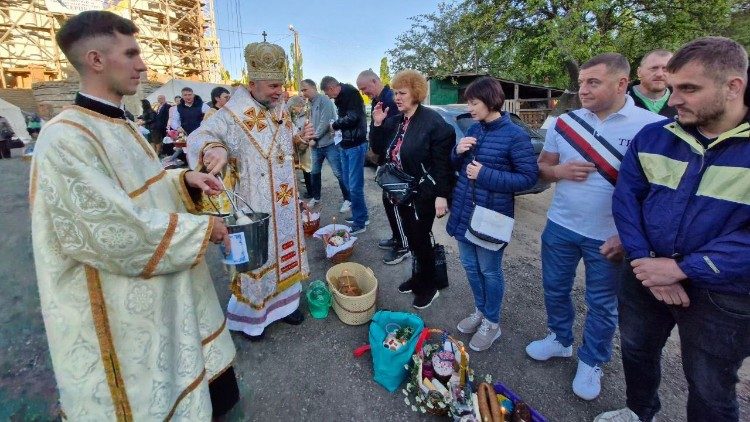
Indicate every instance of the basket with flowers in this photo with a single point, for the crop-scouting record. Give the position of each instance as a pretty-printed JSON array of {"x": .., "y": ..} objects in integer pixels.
[{"x": 440, "y": 376}]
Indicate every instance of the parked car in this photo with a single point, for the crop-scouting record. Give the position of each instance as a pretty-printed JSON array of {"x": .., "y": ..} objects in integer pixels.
[{"x": 458, "y": 116}]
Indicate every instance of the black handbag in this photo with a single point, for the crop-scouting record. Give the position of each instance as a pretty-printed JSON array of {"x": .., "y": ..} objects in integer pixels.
[
  {"x": 441, "y": 265},
  {"x": 399, "y": 186}
]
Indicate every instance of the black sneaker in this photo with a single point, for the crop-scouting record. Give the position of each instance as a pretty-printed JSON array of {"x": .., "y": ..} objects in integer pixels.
[
  {"x": 295, "y": 318},
  {"x": 394, "y": 256},
  {"x": 425, "y": 300},
  {"x": 259, "y": 337},
  {"x": 405, "y": 287},
  {"x": 387, "y": 244}
]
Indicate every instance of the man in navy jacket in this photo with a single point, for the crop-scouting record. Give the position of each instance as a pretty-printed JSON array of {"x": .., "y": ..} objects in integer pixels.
[{"x": 682, "y": 209}]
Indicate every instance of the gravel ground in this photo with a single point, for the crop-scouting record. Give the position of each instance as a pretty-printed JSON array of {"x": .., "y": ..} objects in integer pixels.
[{"x": 308, "y": 372}]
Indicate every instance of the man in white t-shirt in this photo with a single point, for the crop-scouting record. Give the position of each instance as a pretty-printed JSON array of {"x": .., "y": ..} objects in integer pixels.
[{"x": 582, "y": 153}]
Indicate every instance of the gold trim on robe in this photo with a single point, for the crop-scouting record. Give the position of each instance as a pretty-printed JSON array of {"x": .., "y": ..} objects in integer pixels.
[
  {"x": 122, "y": 348},
  {"x": 109, "y": 357}
]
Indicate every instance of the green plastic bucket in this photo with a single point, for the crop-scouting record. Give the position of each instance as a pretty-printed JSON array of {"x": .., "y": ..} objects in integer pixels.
[{"x": 318, "y": 299}]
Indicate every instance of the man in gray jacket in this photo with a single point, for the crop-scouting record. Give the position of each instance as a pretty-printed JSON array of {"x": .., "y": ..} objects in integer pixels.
[{"x": 323, "y": 113}]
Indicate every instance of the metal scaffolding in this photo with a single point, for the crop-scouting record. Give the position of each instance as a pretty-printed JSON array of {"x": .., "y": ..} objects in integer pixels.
[{"x": 177, "y": 38}]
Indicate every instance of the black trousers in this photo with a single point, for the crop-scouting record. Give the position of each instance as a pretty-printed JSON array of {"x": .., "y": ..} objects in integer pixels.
[
  {"x": 390, "y": 212},
  {"x": 308, "y": 184},
  {"x": 224, "y": 392},
  {"x": 5, "y": 149},
  {"x": 714, "y": 341},
  {"x": 415, "y": 222}
]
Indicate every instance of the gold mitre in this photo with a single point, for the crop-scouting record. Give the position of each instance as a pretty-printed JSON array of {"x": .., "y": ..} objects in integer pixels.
[{"x": 265, "y": 62}]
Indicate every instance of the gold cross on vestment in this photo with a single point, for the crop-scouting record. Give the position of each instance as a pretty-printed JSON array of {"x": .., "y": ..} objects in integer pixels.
[
  {"x": 284, "y": 194},
  {"x": 255, "y": 119}
]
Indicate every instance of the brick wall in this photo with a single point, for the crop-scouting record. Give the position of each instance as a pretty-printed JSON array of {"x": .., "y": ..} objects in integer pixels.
[
  {"x": 22, "y": 98},
  {"x": 51, "y": 97}
]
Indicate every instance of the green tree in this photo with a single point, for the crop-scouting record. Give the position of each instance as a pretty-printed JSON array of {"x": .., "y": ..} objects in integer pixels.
[
  {"x": 545, "y": 41},
  {"x": 739, "y": 27},
  {"x": 288, "y": 78},
  {"x": 244, "y": 79},
  {"x": 436, "y": 43},
  {"x": 296, "y": 67},
  {"x": 385, "y": 74},
  {"x": 225, "y": 76}
]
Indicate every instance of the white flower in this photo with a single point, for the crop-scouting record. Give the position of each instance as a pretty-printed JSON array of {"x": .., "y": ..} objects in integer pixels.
[
  {"x": 421, "y": 409},
  {"x": 406, "y": 393},
  {"x": 442, "y": 405},
  {"x": 430, "y": 405},
  {"x": 406, "y": 400},
  {"x": 488, "y": 378},
  {"x": 414, "y": 408}
]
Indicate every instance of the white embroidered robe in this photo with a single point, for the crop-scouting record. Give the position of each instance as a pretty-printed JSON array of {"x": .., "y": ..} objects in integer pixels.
[
  {"x": 135, "y": 329},
  {"x": 259, "y": 143}
]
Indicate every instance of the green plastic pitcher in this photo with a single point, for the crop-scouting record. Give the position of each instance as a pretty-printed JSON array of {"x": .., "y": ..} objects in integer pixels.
[{"x": 318, "y": 299}]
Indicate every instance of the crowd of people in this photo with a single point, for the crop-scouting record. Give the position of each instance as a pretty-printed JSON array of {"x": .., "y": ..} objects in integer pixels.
[{"x": 652, "y": 192}]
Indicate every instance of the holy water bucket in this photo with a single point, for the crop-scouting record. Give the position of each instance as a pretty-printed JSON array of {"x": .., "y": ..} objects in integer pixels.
[{"x": 249, "y": 242}]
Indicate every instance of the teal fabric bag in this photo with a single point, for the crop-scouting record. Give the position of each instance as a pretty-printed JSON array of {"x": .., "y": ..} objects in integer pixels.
[{"x": 388, "y": 365}]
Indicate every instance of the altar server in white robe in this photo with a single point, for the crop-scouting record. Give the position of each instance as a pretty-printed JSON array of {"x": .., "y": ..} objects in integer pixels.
[{"x": 134, "y": 326}]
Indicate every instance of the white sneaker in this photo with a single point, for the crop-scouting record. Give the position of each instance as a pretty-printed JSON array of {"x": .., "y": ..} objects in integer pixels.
[
  {"x": 487, "y": 333},
  {"x": 622, "y": 415},
  {"x": 588, "y": 381},
  {"x": 548, "y": 347},
  {"x": 351, "y": 221},
  {"x": 345, "y": 206},
  {"x": 470, "y": 324},
  {"x": 313, "y": 202}
]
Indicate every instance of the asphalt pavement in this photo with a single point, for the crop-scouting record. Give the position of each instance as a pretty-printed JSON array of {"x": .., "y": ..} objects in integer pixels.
[{"x": 308, "y": 372}]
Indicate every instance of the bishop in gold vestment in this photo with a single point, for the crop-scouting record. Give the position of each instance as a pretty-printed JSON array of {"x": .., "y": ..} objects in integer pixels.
[{"x": 259, "y": 142}]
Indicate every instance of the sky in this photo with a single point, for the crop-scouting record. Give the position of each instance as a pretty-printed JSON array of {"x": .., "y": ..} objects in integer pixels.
[{"x": 338, "y": 38}]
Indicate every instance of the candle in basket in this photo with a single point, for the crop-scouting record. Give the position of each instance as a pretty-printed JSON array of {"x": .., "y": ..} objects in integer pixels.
[{"x": 463, "y": 368}]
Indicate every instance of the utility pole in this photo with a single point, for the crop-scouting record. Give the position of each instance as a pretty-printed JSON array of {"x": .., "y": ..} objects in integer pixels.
[{"x": 297, "y": 66}]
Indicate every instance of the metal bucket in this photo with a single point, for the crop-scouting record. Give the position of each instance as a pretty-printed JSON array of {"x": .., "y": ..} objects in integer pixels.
[{"x": 249, "y": 242}]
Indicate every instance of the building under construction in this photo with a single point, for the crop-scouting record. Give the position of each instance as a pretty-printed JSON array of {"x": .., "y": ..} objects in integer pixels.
[{"x": 177, "y": 38}]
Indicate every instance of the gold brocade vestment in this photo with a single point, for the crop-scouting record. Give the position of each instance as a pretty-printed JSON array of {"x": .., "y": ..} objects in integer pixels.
[
  {"x": 134, "y": 325},
  {"x": 259, "y": 143}
]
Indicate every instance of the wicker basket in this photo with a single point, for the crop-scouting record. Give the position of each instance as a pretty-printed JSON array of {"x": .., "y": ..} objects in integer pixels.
[
  {"x": 342, "y": 256},
  {"x": 428, "y": 333},
  {"x": 310, "y": 227},
  {"x": 354, "y": 310}
]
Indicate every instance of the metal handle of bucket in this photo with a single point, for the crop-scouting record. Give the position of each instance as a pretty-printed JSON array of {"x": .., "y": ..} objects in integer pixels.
[
  {"x": 218, "y": 211},
  {"x": 230, "y": 194}
]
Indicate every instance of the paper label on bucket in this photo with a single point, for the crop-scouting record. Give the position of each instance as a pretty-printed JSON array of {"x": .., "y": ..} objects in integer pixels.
[{"x": 238, "y": 254}]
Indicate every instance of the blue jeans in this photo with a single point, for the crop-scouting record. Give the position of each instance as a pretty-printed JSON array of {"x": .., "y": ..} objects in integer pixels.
[
  {"x": 562, "y": 249},
  {"x": 331, "y": 153},
  {"x": 714, "y": 340},
  {"x": 484, "y": 270},
  {"x": 353, "y": 173}
]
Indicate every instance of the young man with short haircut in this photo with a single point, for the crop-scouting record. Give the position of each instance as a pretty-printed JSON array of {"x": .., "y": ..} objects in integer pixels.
[{"x": 682, "y": 208}]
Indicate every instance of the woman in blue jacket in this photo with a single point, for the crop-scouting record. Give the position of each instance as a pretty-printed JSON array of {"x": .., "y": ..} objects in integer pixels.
[{"x": 494, "y": 161}]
